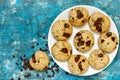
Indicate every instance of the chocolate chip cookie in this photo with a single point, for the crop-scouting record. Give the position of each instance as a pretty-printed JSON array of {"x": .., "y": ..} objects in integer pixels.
[
  {"x": 99, "y": 22},
  {"x": 84, "y": 40},
  {"x": 39, "y": 61},
  {"x": 62, "y": 30},
  {"x": 98, "y": 59},
  {"x": 108, "y": 41},
  {"x": 61, "y": 50},
  {"x": 78, "y": 64},
  {"x": 78, "y": 16}
]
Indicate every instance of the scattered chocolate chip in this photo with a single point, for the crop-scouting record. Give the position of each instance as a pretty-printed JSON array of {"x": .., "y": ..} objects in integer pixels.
[
  {"x": 102, "y": 40},
  {"x": 83, "y": 47},
  {"x": 78, "y": 34},
  {"x": 108, "y": 43},
  {"x": 66, "y": 25},
  {"x": 83, "y": 60},
  {"x": 88, "y": 43},
  {"x": 32, "y": 47},
  {"x": 87, "y": 37},
  {"x": 21, "y": 70},
  {"x": 77, "y": 58},
  {"x": 98, "y": 24},
  {"x": 100, "y": 55},
  {"x": 66, "y": 35},
  {"x": 33, "y": 58},
  {"x": 49, "y": 76},
  {"x": 13, "y": 56},
  {"x": 24, "y": 55},
  {"x": 21, "y": 58},
  {"x": 64, "y": 50},
  {"x": 113, "y": 39},
  {"x": 116, "y": 42},
  {"x": 108, "y": 34},
  {"x": 12, "y": 79},
  {"x": 46, "y": 45},
  {"x": 79, "y": 14},
  {"x": 79, "y": 39},
  {"x": 82, "y": 21},
  {"x": 19, "y": 78},
  {"x": 27, "y": 75},
  {"x": 80, "y": 43},
  {"x": 42, "y": 49},
  {"x": 37, "y": 75},
  {"x": 37, "y": 44},
  {"x": 80, "y": 66},
  {"x": 16, "y": 63}
]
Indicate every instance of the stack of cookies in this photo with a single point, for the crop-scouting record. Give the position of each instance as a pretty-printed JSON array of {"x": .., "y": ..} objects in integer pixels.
[{"x": 83, "y": 40}]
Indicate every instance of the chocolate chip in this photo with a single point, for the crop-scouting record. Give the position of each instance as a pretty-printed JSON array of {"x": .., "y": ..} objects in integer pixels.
[
  {"x": 70, "y": 51},
  {"x": 19, "y": 78},
  {"x": 26, "y": 64},
  {"x": 77, "y": 58},
  {"x": 98, "y": 24},
  {"x": 37, "y": 44},
  {"x": 17, "y": 63},
  {"x": 32, "y": 47},
  {"x": 13, "y": 56},
  {"x": 72, "y": 18},
  {"x": 100, "y": 55},
  {"x": 27, "y": 75},
  {"x": 88, "y": 43},
  {"x": 12, "y": 79},
  {"x": 80, "y": 66},
  {"x": 83, "y": 47},
  {"x": 21, "y": 70},
  {"x": 79, "y": 39},
  {"x": 80, "y": 43},
  {"x": 78, "y": 34},
  {"x": 82, "y": 21},
  {"x": 83, "y": 60},
  {"x": 66, "y": 25},
  {"x": 79, "y": 14},
  {"x": 116, "y": 42},
  {"x": 33, "y": 58},
  {"x": 37, "y": 75},
  {"x": 108, "y": 34},
  {"x": 102, "y": 40},
  {"x": 108, "y": 43},
  {"x": 64, "y": 50},
  {"x": 66, "y": 73},
  {"x": 66, "y": 35},
  {"x": 113, "y": 39}
]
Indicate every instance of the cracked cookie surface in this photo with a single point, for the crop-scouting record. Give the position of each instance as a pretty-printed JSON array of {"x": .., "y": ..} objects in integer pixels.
[
  {"x": 108, "y": 41},
  {"x": 98, "y": 59},
  {"x": 99, "y": 22},
  {"x": 61, "y": 50},
  {"x": 78, "y": 64},
  {"x": 84, "y": 40},
  {"x": 78, "y": 16},
  {"x": 39, "y": 61},
  {"x": 62, "y": 30}
]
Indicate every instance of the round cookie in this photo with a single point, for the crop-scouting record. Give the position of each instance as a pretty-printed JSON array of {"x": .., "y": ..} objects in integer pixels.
[
  {"x": 98, "y": 59},
  {"x": 61, "y": 30},
  {"x": 99, "y": 22},
  {"x": 61, "y": 50},
  {"x": 78, "y": 64},
  {"x": 39, "y": 61},
  {"x": 108, "y": 41},
  {"x": 84, "y": 40},
  {"x": 78, "y": 16}
]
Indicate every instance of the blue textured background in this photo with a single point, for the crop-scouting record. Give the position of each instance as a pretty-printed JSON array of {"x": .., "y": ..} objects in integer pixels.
[{"x": 24, "y": 25}]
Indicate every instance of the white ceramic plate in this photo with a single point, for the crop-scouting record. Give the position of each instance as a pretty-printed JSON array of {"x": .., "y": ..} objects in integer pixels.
[{"x": 65, "y": 15}]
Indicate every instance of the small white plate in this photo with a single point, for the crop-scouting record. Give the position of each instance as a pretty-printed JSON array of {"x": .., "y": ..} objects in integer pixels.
[{"x": 65, "y": 15}]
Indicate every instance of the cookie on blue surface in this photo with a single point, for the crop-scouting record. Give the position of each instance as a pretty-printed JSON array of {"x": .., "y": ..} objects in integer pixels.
[
  {"x": 83, "y": 40},
  {"x": 99, "y": 22},
  {"x": 39, "y": 61},
  {"x": 61, "y": 50},
  {"x": 108, "y": 41},
  {"x": 98, "y": 59},
  {"x": 62, "y": 30},
  {"x": 78, "y": 64},
  {"x": 78, "y": 16}
]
